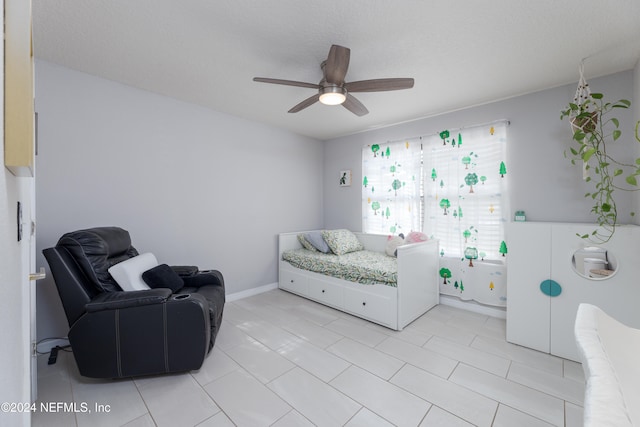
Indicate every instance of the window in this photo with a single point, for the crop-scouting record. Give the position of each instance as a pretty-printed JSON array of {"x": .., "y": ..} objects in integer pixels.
[
  {"x": 391, "y": 187},
  {"x": 450, "y": 185},
  {"x": 464, "y": 174}
]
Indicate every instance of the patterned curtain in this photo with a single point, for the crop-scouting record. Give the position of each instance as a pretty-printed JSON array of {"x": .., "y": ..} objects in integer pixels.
[
  {"x": 391, "y": 201},
  {"x": 465, "y": 181},
  {"x": 465, "y": 175}
]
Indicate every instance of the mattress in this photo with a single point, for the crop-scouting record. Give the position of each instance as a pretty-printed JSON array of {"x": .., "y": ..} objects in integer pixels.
[{"x": 365, "y": 267}]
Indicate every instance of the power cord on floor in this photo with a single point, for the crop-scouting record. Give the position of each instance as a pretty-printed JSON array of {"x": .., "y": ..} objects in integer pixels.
[{"x": 53, "y": 354}]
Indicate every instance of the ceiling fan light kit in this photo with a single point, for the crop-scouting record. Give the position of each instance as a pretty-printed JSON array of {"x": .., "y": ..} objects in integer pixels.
[
  {"x": 333, "y": 95},
  {"x": 333, "y": 90}
]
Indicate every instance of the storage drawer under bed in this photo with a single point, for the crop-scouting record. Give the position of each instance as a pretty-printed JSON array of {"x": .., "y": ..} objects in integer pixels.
[
  {"x": 325, "y": 292},
  {"x": 377, "y": 304},
  {"x": 294, "y": 281}
]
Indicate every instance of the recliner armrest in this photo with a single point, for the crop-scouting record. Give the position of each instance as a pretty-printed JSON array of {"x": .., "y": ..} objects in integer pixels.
[
  {"x": 207, "y": 277},
  {"x": 117, "y": 300},
  {"x": 185, "y": 270}
]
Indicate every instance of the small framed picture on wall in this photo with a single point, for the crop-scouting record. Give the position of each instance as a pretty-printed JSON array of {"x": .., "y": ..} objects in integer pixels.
[{"x": 345, "y": 178}]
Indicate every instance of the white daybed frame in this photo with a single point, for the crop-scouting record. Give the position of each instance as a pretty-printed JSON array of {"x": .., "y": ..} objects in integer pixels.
[{"x": 393, "y": 307}]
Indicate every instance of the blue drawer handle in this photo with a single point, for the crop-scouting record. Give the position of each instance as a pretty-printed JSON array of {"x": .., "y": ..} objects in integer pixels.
[{"x": 550, "y": 288}]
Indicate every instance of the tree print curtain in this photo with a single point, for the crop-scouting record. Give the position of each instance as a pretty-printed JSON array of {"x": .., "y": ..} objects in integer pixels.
[
  {"x": 391, "y": 187},
  {"x": 465, "y": 177}
]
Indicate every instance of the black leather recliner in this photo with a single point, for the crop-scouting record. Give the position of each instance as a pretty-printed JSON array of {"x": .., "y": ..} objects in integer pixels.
[{"x": 115, "y": 333}]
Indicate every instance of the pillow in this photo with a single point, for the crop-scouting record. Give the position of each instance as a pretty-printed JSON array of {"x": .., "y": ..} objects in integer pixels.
[
  {"x": 316, "y": 239},
  {"x": 163, "y": 276},
  {"x": 392, "y": 245},
  {"x": 342, "y": 241},
  {"x": 416, "y": 237},
  {"x": 128, "y": 273},
  {"x": 305, "y": 244}
]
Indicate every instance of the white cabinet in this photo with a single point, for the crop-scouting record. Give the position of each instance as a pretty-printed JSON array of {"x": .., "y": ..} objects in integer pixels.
[
  {"x": 19, "y": 146},
  {"x": 541, "y": 255},
  {"x": 528, "y": 264}
]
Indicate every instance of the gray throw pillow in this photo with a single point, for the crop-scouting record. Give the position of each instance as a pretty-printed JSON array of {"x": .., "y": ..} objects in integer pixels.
[{"x": 316, "y": 239}]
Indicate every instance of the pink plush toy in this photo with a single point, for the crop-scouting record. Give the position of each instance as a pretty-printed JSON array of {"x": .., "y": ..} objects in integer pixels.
[{"x": 416, "y": 237}]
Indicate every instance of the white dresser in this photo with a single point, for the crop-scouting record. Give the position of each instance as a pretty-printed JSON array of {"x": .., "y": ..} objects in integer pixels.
[{"x": 545, "y": 286}]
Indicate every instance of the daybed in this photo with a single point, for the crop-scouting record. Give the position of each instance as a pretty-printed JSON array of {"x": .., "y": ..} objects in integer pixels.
[
  {"x": 391, "y": 299},
  {"x": 609, "y": 352}
]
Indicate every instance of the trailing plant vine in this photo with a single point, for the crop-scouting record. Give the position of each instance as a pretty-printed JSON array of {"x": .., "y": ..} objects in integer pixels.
[{"x": 593, "y": 130}]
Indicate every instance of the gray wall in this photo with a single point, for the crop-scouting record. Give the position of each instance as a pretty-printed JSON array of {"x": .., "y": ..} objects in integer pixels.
[
  {"x": 191, "y": 185},
  {"x": 541, "y": 181}
]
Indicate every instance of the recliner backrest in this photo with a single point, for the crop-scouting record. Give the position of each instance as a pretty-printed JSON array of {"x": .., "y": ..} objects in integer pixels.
[
  {"x": 97, "y": 249},
  {"x": 73, "y": 286}
]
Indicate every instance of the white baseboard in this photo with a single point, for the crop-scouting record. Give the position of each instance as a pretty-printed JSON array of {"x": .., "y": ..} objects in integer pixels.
[
  {"x": 251, "y": 292},
  {"x": 487, "y": 310}
]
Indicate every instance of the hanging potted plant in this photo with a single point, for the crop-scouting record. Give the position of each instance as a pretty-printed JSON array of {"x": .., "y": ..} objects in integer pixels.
[{"x": 594, "y": 129}]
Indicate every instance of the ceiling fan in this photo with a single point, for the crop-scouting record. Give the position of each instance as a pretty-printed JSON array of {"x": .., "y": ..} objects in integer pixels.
[{"x": 333, "y": 90}]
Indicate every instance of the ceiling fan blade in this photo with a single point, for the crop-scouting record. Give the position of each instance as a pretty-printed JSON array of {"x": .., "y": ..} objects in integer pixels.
[
  {"x": 337, "y": 64},
  {"x": 355, "y": 106},
  {"x": 379, "y": 85},
  {"x": 306, "y": 103},
  {"x": 285, "y": 82}
]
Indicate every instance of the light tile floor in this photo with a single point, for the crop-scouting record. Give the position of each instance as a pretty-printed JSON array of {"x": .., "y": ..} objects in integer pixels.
[{"x": 281, "y": 360}]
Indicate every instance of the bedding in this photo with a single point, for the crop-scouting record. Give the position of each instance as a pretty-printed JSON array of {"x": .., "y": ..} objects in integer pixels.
[
  {"x": 341, "y": 241},
  {"x": 364, "y": 267}
]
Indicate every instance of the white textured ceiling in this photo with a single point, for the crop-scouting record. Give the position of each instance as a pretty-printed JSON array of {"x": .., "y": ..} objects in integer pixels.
[{"x": 460, "y": 53}]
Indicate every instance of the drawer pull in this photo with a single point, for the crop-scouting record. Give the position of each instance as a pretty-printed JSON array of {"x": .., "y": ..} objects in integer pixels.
[
  {"x": 291, "y": 280},
  {"x": 364, "y": 303},
  {"x": 323, "y": 291}
]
